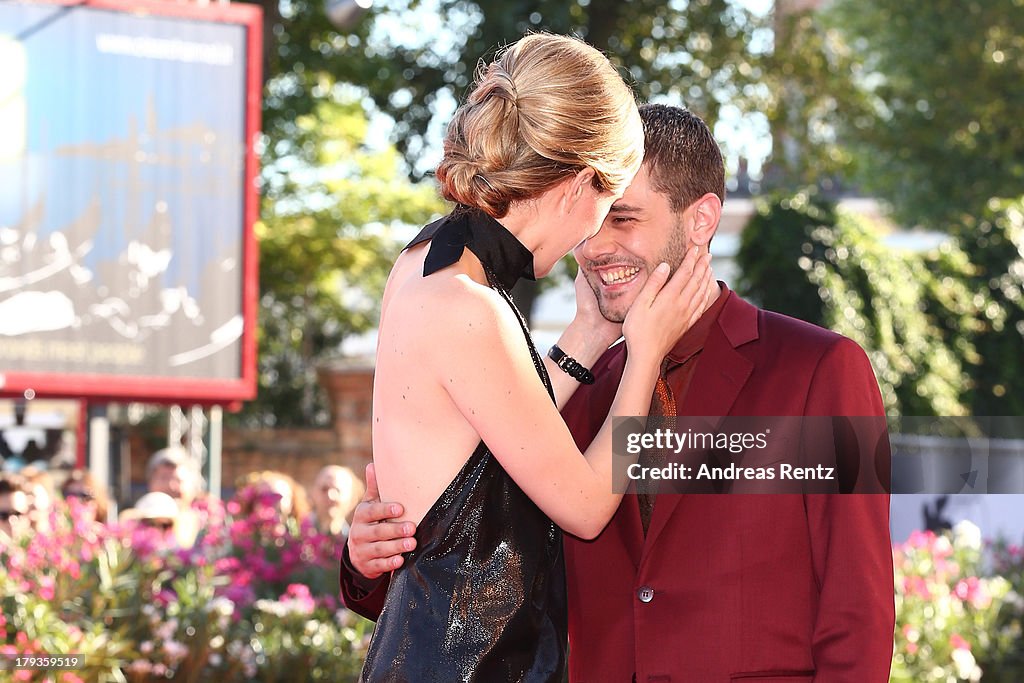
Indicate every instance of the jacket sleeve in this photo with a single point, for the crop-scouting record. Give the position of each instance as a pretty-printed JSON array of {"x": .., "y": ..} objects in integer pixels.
[
  {"x": 850, "y": 543},
  {"x": 363, "y": 596}
]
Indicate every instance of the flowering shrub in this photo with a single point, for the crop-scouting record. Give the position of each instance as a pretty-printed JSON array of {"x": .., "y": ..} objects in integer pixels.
[
  {"x": 255, "y": 599},
  {"x": 955, "y": 619}
]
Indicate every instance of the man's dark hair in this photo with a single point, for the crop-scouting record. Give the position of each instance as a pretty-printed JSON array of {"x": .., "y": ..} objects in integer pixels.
[{"x": 684, "y": 161}]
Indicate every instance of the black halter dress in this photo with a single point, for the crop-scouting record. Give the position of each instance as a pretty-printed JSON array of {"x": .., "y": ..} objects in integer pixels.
[{"x": 482, "y": 598}]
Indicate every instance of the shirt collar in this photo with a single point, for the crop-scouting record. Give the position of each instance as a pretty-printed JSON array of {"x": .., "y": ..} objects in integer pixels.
[
  {"x": 692, "y": 341},
  {"x": 499, "y": 250}
]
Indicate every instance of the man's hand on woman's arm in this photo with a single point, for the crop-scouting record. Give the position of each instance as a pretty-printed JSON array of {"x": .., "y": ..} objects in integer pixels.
[{"x": 376, "y": 540}]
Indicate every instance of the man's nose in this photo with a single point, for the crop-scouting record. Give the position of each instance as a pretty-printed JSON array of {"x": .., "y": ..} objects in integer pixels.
[{"x": 594, "y": 247}]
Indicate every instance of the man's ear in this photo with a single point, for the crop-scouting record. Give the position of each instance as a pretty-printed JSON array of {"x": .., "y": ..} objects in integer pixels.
[
  {"x": 577, "y": 186},
  {"x": 705, "y": 213}
]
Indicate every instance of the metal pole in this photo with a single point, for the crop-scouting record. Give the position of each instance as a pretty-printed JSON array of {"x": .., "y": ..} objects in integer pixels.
[
  {"x": 99, "y": 444},
  {"x": 213, "y": 456}
]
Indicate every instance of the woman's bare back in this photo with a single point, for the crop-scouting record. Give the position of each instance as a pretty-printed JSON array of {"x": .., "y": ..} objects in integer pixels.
[{"x": 420, "y": 438}]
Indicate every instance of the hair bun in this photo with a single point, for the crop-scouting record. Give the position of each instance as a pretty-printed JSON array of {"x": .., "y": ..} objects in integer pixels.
[{"x": 547, "y": 107}]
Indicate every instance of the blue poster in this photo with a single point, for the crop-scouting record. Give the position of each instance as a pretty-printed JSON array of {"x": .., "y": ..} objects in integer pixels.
[{"x": 122, "y": 192}]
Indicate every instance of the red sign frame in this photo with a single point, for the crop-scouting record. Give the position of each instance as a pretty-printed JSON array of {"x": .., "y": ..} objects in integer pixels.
[{"x": 187, "y": 390}]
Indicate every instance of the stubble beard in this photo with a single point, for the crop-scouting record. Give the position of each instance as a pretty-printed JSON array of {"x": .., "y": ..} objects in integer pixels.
[{"x": 672, "y": 254}]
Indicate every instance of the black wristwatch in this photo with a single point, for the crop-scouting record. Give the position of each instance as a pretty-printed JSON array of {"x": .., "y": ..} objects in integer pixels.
[{"x": 571, "y": 366}]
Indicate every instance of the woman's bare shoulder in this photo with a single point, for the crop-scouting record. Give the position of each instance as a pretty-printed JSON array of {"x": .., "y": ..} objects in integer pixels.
[{"x": 449, "y": 299}]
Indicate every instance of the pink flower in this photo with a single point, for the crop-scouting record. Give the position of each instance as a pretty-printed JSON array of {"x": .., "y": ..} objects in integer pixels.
[
  {"x": 958, "y": 643},
  {"x": 973, "y": 591},
  {"x": 915, "y": 585},
  {"x": 298, "y": 590},
  {"x": 70, "y": 678},
  {"x": 46, "y": 588},
  {"x": 921, "y": 539}
]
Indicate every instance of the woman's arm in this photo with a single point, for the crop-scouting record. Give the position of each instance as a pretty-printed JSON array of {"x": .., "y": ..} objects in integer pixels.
[
  {"x": 586, "y": 338},
  {"x": 490, "y": 377}
]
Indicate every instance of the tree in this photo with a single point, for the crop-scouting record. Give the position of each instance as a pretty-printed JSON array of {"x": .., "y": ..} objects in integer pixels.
[
  {"x": 322, "y": 270},
  {"x": 994, "y": 243},
  {"x": 415, "y": 58},
  {"x": 411, "y": 61},
  {"x": 802, "y": 257},
  {"x": 941, "y": 133}
]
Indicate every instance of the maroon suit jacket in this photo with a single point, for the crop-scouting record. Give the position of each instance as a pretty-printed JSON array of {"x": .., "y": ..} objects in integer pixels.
[
  {"x": 769, "y": 588},
  {"x": 781, "y": 588}
]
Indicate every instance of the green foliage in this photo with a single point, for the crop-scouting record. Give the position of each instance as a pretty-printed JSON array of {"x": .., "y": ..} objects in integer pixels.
[
  {"x": 922, "y": 97},
  {"x": 802, "y": 257},
  {"x": 807, "y": 81},
  {"x": 994, "y": 243},
  {"x": 325, "y": 251},
  {"x": 414, "y": 58}
]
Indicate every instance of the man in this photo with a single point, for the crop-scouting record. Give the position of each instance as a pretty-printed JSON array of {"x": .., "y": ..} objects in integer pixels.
[
  {"x": 335, "y": 493},
  {"x": 705, "y": 587},
  {"x": 172, "y": 471}
]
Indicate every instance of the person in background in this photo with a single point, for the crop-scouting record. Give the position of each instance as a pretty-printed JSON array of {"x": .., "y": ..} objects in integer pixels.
[
  {"x": 335, "y": 493},
  {"x": 15, "y": 506},
  {"x": 174, "y": 472},
  {"x": 158, "y": 514},
  {"x": 92, "y": 497},
  {"x": 40, "y": 485},
  {"x": 270, "y": 490}
]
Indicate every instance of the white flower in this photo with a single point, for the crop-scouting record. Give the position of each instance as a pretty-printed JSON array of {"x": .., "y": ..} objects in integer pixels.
[
  {"x": 274, "y": 607},
  {"x": 966, "y": 534},
  {"x": 221, "y": 606},
  {"x": 966, "y": 668}
]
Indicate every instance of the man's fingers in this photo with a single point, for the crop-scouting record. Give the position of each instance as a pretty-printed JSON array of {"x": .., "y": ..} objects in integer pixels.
[
  {"x": 388, "y": 531},
  {"x": 373, "y": 559},
  {"x": 370, "y": 513},
  {"x": 375, "y": 568}
]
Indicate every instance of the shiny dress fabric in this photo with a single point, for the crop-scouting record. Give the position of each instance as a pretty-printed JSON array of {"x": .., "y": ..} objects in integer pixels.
[{"x": 482, "y": 598}]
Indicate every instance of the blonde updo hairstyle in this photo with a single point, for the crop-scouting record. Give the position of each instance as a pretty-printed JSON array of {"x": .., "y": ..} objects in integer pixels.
[{"x": 547, "y": 107}]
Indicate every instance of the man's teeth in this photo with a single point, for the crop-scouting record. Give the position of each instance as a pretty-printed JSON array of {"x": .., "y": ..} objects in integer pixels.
[{"x": 610, "y": 277}]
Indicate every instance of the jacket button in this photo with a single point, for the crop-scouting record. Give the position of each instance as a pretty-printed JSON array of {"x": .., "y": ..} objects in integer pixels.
[{"x": 646, "y": 594}]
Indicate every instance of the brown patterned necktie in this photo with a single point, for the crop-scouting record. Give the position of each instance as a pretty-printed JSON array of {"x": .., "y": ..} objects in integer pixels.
[{"x": 663, "y": 404}]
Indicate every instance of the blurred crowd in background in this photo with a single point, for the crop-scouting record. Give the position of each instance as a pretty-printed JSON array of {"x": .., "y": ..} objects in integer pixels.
[{"x": 174, "y": 503}]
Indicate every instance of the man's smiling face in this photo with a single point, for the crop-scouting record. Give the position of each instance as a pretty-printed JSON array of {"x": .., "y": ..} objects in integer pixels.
[{"x": 640, "y": 232}]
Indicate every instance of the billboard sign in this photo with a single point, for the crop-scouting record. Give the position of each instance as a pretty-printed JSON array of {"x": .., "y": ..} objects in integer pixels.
[{"x": 127, "y": 200}]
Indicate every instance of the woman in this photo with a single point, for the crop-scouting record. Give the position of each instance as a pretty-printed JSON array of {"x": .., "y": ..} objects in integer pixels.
[
  {"x": 91, "y": 496},
  {"x": 465, "y": 429}
]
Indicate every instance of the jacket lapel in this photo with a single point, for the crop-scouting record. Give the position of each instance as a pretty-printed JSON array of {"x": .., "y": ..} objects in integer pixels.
[{"x": 720, "y": 375}]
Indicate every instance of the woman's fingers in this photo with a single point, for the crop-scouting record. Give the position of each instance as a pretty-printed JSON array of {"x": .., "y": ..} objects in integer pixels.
[{"x": 655, "y": 282}]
